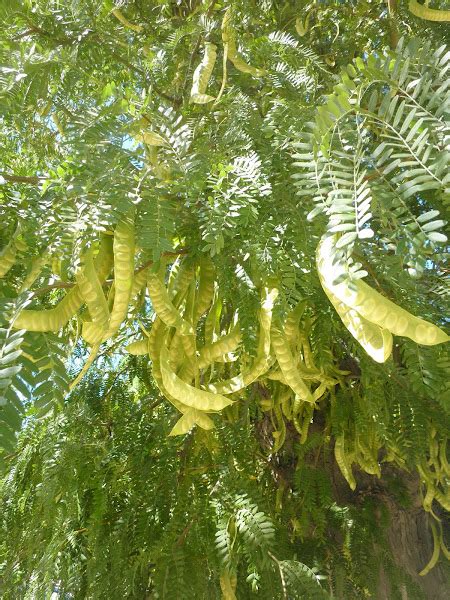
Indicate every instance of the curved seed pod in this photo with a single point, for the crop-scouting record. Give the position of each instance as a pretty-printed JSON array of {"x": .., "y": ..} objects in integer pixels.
[
  {"x": 181, "y": 276},
  {"x": 190, "y": 418},
  {"x": 292, "y": 323},
  {"x": 319, "y": 392},
  {"x": 443, "y": 457},
  {"x": 263, "y": 360},
  {"x": 287, "y": 365},
  {"x": 202, "y": 75},
  {"x": 228, "y": 584},
  {"x": 37, "y": 264},
  {"x": 124, "y": 247},
  {"x": 429, "y": 14},
  {"x": 138, "y": 348},
  {"x": 370, "y": 304},
  {"x": 91, "y": 290},
  {"x": 120, "y": 17},
  {"x": 56, "y": 318},
  {"x": 205, "y": 289},
  {"x": 300, "y": 27},
  {"x": 229, "y": 38},
  {"x": 139, "y": 281},
  {"x": 8, "y": 255},
  {"x": 187, "y": 394},
  {"x": 376, "y": 341},
  {"x": 436, "y": 551},
  {"x": 212, "y": 321},
  {"x": 280, "y": 432},
  {"x": 163, "y": 306},
  {"x": 342, "y": 461},
  {"x": 308, "y": 412},
  {"x": 211, "y": 353},
  {"x": 87, "y": 364},
  {"x": 365, "y": 458}
]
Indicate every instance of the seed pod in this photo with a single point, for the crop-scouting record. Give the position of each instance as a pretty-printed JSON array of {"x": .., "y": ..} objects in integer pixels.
[
  {"x": 429, "y": 14},
  {"x": 287, "y": 364},
  {"x": 138, "y": 348},
  {"x": 124, "y": 248},
  {"x": 370, "y": 304},
  {"x": 56, "y": 318},
  {"x": 164, "y": 308},
  {"x": 9, "y": 252},
  {"x": 202, "y": 75},
  {"x": 187, "y": 394},
  {"x": 263, "y": 360},
  {"x": 190, "y": 418},
  {"x": 436, "y": 551},
  {"x": 120, "y": 17},
  {"x": 343, "y": 462},
  {"x": 91, "y": 291},
  {"x": 205, "y": 289},
  {"x": 211, "y": 353},
  {"x": 229, "y": 38},
  {"x": 37, "y": 264},
  {"x": 292, "y": 323}
]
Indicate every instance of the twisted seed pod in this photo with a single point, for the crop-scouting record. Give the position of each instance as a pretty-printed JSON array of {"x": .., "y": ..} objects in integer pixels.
[
  {"x": 292, "y": 323},
  {"x": 138, "y": 348},
  {"x": 211, "y": 353},
  {"x": 376, "y": 341},
  {"x": 120, "y": 17},
  {"x": 370, "y": 304},
  {"x": 92, "y": 356},
  {"x": 429, "y": 14},
  {"x": 91, "y": 290},
  {"x": 139, "y": 281},
  {"x": 124, "y": 247},
  {"x": 8, "y": 254},
  {"x": 187, "y": 394},
  {"x": 202, "y": 75},
  {"x": 343, "y": 461},
  {"x": 163, "y": 306},
  {"x": 287, "y": 364},
  {"x": 436, "y": 551},
  {"x": 229, "y": 38},
  {"x": 205, "y": 289},
  {"x": 37, "y": 264},
  {"x": 56, "y": 318},
  {"x": 263, "y": 360},
  {"x": 228, "y": 584},
  {"x": 190, "y": 418}
]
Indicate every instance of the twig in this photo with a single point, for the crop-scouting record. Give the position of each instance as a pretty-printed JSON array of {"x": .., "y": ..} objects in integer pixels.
[{"x": 21, "y": 178}]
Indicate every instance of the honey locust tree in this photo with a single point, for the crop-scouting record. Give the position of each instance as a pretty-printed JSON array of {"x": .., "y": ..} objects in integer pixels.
[{"x": 223, "y": 292}]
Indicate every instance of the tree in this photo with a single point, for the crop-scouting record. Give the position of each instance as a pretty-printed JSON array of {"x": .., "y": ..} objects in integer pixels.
[{"x": 216, "y": 216}]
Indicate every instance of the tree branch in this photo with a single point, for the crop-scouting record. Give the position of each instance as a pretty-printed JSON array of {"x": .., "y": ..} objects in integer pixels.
[{"x": 34, "y": 180}]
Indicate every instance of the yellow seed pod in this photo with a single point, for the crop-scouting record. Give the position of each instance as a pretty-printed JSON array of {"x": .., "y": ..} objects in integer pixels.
[
  {"x": 8, "y": 255},
  {"x": 436, "y": 551},
  {"x": 124, "y": 249},
  {"x": 37, "y": 264},
  {"x": 229, "y": 38},
  {"x": 120, "y": 17},
  {"x": 370, "y": 304},
  {"x": 163, "y": 306},
  {"x": 343, "y": 461},
  {"x": 205, "y": 293},
  {"x": 287, "y": 365},
  {"x": 91, "y": 290},
  {"x": 292, "y": 324},
  {"x": 228, "y": 583},
  {"x": 202, "y": 75},
  {"x": 56, "y": 318},
  {"x": 138, "y": 348},
  {"x": 301, "y": 27},
  {"x": 187, "y": 394},
  {"x": 429, "y": 14},
  {"x": 190, "y": 418},
  {"x": 263, "y": 360},
  {"x": 211, "y": 353}
]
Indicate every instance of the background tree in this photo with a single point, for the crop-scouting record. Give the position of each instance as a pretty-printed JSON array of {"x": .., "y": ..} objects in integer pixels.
[{"x": 216, "y": 217}]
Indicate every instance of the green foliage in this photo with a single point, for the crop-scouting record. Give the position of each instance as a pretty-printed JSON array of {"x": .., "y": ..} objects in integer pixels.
[{"x": 337, "y": 125}]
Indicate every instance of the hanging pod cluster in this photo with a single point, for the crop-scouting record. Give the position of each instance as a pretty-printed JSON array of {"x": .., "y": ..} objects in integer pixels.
[
  {"x": 197, "y": 362},
  {"x": 105, "y": 314},
  {"x": 369, "y": 316}
]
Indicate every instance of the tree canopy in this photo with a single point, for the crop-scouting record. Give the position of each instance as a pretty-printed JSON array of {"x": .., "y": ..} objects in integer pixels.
[{"x": 223, "y": 287}]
